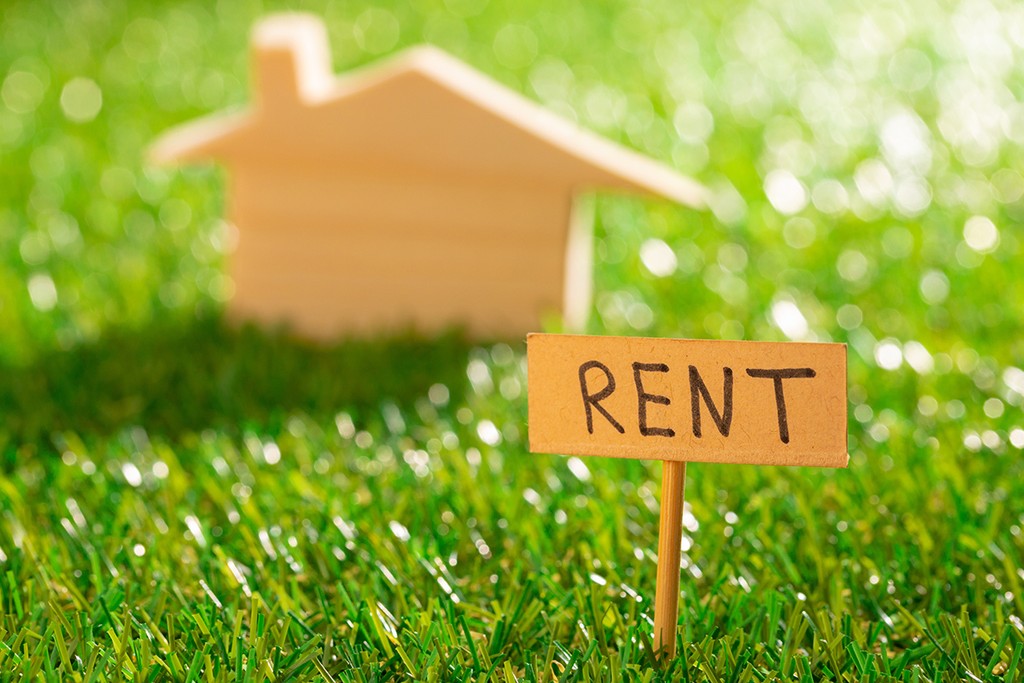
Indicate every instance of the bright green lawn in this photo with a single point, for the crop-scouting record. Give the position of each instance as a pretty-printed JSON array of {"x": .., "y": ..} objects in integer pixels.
[{"x": 183, "y": 501}]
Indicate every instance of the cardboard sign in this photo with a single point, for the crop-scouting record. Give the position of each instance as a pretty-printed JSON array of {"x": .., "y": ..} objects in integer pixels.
[{"x": 759, "y": 403}]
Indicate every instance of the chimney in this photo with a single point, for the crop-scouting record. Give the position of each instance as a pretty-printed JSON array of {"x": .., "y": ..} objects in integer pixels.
[{"x": 291, "y": 61}]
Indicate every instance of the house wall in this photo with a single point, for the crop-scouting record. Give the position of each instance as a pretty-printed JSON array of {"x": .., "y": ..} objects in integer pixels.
[{"x": 329, "y": 253}]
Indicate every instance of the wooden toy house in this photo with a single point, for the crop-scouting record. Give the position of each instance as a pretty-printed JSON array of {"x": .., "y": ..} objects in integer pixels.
[{"x": 415, "y": 191}]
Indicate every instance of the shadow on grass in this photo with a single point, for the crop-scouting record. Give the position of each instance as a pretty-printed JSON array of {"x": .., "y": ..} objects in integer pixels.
[{"x": 185, "y": 378}]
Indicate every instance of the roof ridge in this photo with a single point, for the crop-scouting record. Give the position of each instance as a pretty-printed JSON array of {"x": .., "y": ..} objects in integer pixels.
[{"x": 618, "y": 165}]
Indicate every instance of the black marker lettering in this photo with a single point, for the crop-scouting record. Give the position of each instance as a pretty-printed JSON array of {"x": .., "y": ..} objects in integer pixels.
[
  {"x": 643, "y": 398},
  {"x": 777, "y": 376},
  {"x": 594, "y": 400},
  {"x": 699, "y": 390}
]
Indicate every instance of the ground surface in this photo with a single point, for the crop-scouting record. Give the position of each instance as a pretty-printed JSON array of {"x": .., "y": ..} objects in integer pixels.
[{"x": 183, "y": 501}]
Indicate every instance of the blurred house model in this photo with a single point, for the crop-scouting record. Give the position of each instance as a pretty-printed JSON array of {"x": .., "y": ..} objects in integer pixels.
[{"x": 414, "y": 192}]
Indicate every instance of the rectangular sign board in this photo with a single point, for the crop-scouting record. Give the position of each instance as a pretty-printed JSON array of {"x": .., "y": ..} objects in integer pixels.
[{"x": 762, "y": 403}]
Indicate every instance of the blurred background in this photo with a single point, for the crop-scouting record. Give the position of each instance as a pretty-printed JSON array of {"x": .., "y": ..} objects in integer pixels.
[
  {"x": 867, "y": 177},
  {"x": 864, "y": 161}
]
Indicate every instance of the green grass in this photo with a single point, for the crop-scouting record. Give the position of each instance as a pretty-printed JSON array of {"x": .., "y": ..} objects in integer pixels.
[{"x": 180, "y": 500}]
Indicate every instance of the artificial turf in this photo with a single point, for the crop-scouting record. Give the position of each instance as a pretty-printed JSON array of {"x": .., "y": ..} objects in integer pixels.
[{"x": 185, "y": 500}]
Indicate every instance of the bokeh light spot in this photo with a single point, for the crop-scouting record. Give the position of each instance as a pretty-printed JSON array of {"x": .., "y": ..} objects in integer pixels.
[
  {"x": 658, "y": 257},
  {"x": 888, "y": 355},
  {"x": 785, "y": 192},
  {"x": 22, "y": 92},
  {"x": 81, "y": 100},
  {"x": 981, "y": 234}
]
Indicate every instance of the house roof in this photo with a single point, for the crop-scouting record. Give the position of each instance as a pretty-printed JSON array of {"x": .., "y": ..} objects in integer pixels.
[{"x": 421, "y": 112}]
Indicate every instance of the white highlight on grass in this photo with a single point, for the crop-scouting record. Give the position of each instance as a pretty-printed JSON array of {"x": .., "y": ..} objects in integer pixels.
[
  {"x": 192, "y": 522},
  {"x": 693, "y": 122},
  {"x": 888, "y": 354},
  {"x": 76, "y": 512},
  {"x": 972, "y": 442},
  {"x": 238, "y": 571},
  {"x": 658, "y": 257},
  {"x": 639, "y": 315},
  {"x": 531, "y": 497},
  {"x": 906, "y": 142},
  {"x": 399, "y": 530},
  {"x": 578, "y": 469},
  {"x": 789, "y": 319},
  {"x": 879, "y": 432},
  {"x": 785, "y": 191},
  {"x": 22, "y": 91},
  {"x": 690, "y": 522},
  {"x": 488, "y": 433},
  {"x": 438, "y": 395},
  {"x": 918, "y": 358},
  {"x": 849, "y": 316},
  {"x": 981, "y": 234},
  {"x": 131, "y": 474},
  {"x": 81, "y": 99},
  {"x": 1013, "y": 378},
  {"x": 733, "y": 257},
  {"x": 799, "y": 233},
  {"x": 42, "y": 291},
  {"x": 271, "y": 453},
  {"x": 480, "y": 376},
  {"x": 913, "y": 195},
  {"x": 1017, "y": 437},
  {"x": 139, "y": 550},
  {"x": 363, "y": 439},
  {"x": 874, "y": 181},
  {"x": 994, "y": 408},
  {"x": 346, "y": 428},
  {"x": 347, "y": 528},
  {"x": 927, "y": 406},
  {"x": 829, "y": 196},
  {"x": 852, "y": 265},
  {"x": 447, "y": 588},
  {"x": 934, "y": 287}
]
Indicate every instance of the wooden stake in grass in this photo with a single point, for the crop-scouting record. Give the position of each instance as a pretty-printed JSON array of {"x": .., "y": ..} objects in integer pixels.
[
  {"x": 680, "y": 400},
  {"x": 670, "y": 537}
]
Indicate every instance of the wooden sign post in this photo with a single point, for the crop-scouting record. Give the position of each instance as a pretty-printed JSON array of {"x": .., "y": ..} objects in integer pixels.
[{"x": 679, "y": 401}]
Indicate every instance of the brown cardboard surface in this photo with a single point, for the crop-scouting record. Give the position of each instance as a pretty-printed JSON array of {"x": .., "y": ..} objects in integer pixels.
[{"x": 665, "y": 399}]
